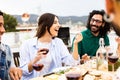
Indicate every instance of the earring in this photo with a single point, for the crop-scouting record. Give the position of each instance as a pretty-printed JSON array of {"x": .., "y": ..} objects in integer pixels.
[{"x": 108, "y": 18}]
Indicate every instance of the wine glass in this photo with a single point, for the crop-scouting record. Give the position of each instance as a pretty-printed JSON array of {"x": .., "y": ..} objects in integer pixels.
[
  {"x": 38, "y": 66},
  {"x": 112, "y": 59},
  {"x": 110, "y": 51},
  {"x": 73, "y": 75}
]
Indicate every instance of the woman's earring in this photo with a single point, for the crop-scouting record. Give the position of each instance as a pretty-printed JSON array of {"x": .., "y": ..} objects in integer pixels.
[{"x": 108, "y": 18}]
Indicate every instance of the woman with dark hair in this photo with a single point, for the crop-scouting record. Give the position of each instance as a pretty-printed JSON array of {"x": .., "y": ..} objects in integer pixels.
[
  {"x": 32, "y": 50},
  {"x": 87, "y": 43}
]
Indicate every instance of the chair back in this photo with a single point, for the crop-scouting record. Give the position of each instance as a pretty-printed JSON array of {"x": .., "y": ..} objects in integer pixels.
[
  {"x": 64, "y": 34},
  {"x": 16, "y": 57}
]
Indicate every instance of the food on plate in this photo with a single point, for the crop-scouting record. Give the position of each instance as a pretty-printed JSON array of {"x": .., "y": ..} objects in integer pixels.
[
  {"x": 95, "y": 73},
  {"x": 89, "y": 77},
  {"x": 52, "y": 77}
]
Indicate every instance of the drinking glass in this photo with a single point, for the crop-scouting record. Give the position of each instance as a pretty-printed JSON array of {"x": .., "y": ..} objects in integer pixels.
[
  {"x": 110, "y": 52},
  {"x": 38, "y": 66},
  {"x": 112, "y": 59},
  {"x": 73, "y": 76}
]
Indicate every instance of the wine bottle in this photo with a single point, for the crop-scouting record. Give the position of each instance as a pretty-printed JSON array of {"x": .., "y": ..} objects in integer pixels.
[{"x": 101, "y": 56}]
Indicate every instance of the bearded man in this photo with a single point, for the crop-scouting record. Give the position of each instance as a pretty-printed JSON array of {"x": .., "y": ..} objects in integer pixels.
[{"x": 87, "y": 43}]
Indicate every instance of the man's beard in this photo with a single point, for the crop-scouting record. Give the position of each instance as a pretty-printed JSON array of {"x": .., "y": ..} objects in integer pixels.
[
  {"x": 116, "y": 29},
  {"x": 97, "y": 29}
]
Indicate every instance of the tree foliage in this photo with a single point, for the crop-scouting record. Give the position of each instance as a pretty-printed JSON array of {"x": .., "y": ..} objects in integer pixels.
[{"x": 10, "y": 23}]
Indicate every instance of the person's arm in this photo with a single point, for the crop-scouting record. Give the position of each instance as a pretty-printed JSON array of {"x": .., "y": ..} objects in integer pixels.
[
  {"x": 25, "y": 62},
  {"x": 77, "y": 39},
  {"x": 118, "y": 46},
  {"x": 36, "y": 59}
]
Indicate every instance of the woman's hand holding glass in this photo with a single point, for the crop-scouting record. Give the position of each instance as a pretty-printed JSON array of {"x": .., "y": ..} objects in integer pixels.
[{"x": 38, "y": 62}]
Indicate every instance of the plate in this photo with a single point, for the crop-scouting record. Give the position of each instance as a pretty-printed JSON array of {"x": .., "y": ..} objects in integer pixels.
[
  {"x": 59, "y": 69},
  {"x": 38, "y": 78}
]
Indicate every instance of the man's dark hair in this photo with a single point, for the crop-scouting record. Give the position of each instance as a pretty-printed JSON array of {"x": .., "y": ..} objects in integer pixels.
[
  {"x": 104, "y": 30},
  {"x": 1, "y": 13}
]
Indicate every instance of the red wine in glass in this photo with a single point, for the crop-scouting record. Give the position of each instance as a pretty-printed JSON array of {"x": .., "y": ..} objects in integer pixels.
[
  {"x": 38, "y": 67},
  {"x": 46, "y": 51},
  {"x": 73, "y": 76},
  {"x": 113, "y": 59}
]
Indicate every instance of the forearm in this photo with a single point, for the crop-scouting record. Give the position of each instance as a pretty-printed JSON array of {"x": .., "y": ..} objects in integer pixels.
[
  {"x": 77, "y": 39},
  {"x": 118, "y": 46},
  {"x": 30, "y": 68},
  {"x": 75, "y": 51},
  {"x": 118, "y": 49}
]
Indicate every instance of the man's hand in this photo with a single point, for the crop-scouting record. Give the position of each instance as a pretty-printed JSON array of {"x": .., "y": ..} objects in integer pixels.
[
  {"x": 85, "y": 57},
  {"x": 15, "y": 73}
]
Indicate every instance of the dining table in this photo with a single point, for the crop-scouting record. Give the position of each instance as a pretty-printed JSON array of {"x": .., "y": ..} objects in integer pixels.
[{"x": 87, "y": 71}]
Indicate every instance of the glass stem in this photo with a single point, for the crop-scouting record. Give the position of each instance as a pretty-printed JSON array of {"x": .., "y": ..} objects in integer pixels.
[{"x": 112, "y": 67}]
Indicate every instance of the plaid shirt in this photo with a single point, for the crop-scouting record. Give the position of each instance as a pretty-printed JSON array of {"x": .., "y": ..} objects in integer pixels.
[{"x": 5, "y": 61}]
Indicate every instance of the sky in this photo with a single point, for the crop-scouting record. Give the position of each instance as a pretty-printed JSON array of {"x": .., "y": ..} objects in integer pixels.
[{"x": 58, "y": 7}]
